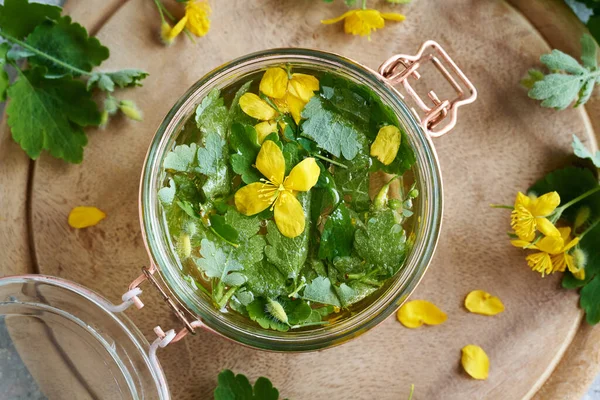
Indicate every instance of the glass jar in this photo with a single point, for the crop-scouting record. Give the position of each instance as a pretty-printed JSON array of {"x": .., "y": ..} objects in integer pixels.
[
  {"x": 71, "y": 340},
  {"x": 428, "y": 207}
]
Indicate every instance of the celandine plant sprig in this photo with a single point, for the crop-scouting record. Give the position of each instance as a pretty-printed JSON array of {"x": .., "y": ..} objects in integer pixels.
[
  {"x": 558, "y": 223},
  {"x": 51, "y": 98}
]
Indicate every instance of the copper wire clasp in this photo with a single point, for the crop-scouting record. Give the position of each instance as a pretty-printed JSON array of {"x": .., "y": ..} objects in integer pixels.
[
  {"x": 148, "y": 275},
  {"x": 397, "y": 69}
]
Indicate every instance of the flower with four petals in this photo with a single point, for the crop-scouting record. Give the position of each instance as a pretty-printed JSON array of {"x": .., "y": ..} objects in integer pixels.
[
  {"x": 278, "y": 191},
  {"x": 530, "y": 213}
]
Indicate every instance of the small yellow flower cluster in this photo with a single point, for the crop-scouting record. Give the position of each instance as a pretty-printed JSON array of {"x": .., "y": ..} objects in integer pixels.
[
  {"x": 554, "y": 247},
  {"x": 195, "y": 21}
]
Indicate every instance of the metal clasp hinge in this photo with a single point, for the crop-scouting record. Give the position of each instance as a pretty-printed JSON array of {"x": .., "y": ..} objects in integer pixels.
[
  {"x": 397, "y": 69},
  {"x": 170, "y": 336}
]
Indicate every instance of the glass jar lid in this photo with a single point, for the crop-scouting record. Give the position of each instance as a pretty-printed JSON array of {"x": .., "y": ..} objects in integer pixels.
[{"x": 59, "y": 340}]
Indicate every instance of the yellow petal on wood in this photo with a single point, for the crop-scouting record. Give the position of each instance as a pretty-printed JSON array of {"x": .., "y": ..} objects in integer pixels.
[
  {"x": 83, "y": 217},
  {"x": 254, "y": 198},
  {"x": 264, "y": 129},
  {"x": 480, "y": 302},
  {"x": 386, "y": 144},
  {"x": 303, "y": 176},
  {"x": 274, "y": 82},
  {"x": 198, "y": 13},
  {"x": 256, "y": 107},
  {"x": 303, "y": 86},
  {"x": 415, "y": 313},
  {"x": 475, "y": 362},
  {"x": 363, "y": 22},
  {"x": 270, "y": 162},
  {"x": 289, "y": 215}
]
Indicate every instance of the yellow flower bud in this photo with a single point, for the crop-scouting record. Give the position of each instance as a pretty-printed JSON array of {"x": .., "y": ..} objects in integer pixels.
[
  {"x": 583, "y": 214},
  {"x": 579, "y": 262},
  {"x": 129, "y": 108},
  {"x": 184, "y": 246}
]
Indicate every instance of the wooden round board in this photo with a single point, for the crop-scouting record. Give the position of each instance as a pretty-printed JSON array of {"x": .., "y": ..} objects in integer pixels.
[{"x": 501, "y": 144}]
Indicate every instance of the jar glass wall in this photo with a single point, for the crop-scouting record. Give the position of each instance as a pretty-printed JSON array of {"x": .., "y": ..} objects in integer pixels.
[{"x": 428, "y": 206}]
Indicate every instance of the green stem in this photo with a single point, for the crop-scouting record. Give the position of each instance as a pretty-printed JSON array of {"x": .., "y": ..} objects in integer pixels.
[
  {"x": 502, "y": 206},
  {"x": 331, "y": 161},
  {"x": 577, "y": 199},
  {"x": 160, "y": 11},
  {"x": 227, "y": 296},
  {"x": 412, "y": 391},
  {"x": 364, "y": 4},
  {"x": 37, "y": 52},
  {"x": 592, "y": 226},
  {"x": 309, "y": 324}
]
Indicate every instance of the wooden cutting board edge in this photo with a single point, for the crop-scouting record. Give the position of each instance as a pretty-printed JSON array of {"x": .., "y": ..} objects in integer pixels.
[{"x": 560, "y": 29}]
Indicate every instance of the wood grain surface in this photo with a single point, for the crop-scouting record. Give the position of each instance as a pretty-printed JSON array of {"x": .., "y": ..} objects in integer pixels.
[{"x": 502, "y": 143}]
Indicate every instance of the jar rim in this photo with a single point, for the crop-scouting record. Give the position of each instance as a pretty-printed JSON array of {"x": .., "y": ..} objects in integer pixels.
[{"x": 405, "y": 281}]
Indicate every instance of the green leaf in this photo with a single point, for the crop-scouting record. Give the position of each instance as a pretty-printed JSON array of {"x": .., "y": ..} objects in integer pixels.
[
  {"x": 353, "y": 292},
  {"x": 244, "y": 142},
  {"x": 289, "y": 254},
  {"x": 582, "y": 152},
  {"x": 223, "y": 229},
  {"x": 212, "y": 162},
  {"x": 533, "y": 76},
  {"x": 212, "y": 115},
  {"x": 298, "y": 311},
  {"x": 68, "y": 42},
  {"x": 166, "y": 194},
  {"x": 331, "y": 130},
  {"x": 18, "y": 18},
  {"x": 559, "y": 61},
  {"x": 216, "y": 264},
  {"x": 237, "y": 387},
  {"x": 106, "y": 81},
  {"x": 264, "y": 278},
  {"x": 49, "y": 115},
  {"x": 589, "y": 51},
  {"x": 321, "y": 291},
  {"x": 181, "y": 158},
  {"x": 382, "y": 241},
  {"x": 210, "y": 157},
  {"x": 353, "y": 181},
  {"x": 337, "y": 235},
  {"x": 570, "y": 82},
  {"x": 246, "y": 226},
  {"x": 590, "y": 301},
  {"x": 4, "y": 79},
  {"x": 291, "y": 154}
]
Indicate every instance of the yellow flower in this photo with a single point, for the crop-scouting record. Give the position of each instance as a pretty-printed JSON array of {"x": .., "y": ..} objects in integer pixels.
[
  {"x": 386, "y": 144},
  {"x": 530, "y": 214},
  {"x": 553, "y": 255},
  {"x": 277, "y": 190},
  {"x": 289, "y": 93},
  {"x": 362, "y": 22},
  {"x": 197, "y": 13},
  {"x": 83, "y": 217}
]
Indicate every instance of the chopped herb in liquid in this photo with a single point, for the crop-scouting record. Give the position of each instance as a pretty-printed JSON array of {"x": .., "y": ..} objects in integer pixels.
[{"x": 357, "y": 217}]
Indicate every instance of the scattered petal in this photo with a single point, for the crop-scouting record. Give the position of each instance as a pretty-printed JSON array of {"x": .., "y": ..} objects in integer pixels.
[
  {"x": 415, "y": 313},
  {"x": 480, "y": 302},
  {"x": 83, "y": 217},
  {"x": 475, "y": 362}
]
